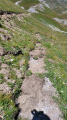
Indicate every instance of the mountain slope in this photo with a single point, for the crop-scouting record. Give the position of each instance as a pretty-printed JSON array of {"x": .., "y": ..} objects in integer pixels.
[
  {"x": 19, "y": 34},
  {"x": 56, "y": 5}
]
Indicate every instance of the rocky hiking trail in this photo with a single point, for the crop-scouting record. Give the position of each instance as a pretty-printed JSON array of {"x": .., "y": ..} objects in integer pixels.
[{"x": 38, "y": 93}]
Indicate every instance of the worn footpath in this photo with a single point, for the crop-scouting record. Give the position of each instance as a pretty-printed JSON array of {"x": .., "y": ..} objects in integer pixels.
[{"x": 38, "y": 93}]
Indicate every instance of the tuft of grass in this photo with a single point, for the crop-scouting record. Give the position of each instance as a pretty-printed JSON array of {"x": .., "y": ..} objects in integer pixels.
[
  {"x": 11, "y": 85},
  {"x": 1, "y": 76},
  {"x": 41, "y": 75},
  {"x": 17, "y": 89},
  {"x": 2, "y": 80},
  {"x": 35, "y": 57},
  {"x": 29, "y": 73}
]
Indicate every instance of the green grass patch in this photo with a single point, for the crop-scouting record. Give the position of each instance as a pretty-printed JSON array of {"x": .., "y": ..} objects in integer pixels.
[
  {"x": 8, "y": 106},
  {"x": 41, "y": 75},
  {"x": 2, "y": 80},
  {"x": 58, "y": 75},
  {"x": 35, "y": 58},
  {"x": 29, "y": 73},
  {"x": 1, "y": 76},
  {"x": 56, "y": 66}
]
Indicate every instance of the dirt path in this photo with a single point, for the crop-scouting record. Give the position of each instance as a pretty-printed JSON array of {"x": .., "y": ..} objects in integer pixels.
[{"x": 36, "y": 92}]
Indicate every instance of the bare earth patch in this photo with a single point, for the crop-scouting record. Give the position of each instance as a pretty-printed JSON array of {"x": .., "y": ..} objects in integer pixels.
[
  {"x": 36, "y": 66},
  {"x": 37, "y": 94}
]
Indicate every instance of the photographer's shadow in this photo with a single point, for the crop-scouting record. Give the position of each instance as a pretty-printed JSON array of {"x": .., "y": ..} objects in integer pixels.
[{"x": 39, "y": 115}]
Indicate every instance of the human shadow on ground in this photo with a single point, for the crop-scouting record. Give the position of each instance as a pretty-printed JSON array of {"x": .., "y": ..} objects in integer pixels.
[
  {"x": 18, "y": 111},
  {"x": 39, "y": 115}
]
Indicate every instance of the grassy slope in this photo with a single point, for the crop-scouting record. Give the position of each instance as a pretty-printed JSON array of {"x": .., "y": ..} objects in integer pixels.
[
  {"x": 7, "y": 5},
  {"x": 46, "y": 20},
  {"x": 21, "y": 40},
  {"x": 56, "y": 57}
]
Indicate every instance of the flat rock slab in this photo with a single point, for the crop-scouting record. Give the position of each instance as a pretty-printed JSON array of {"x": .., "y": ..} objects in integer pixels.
[{"x": 37, "y": 94}]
